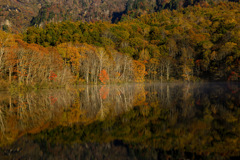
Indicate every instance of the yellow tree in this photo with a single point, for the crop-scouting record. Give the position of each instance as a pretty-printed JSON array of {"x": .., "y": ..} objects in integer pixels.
[
  {"x": 139, "y": 71},
  {"x": 88, "y": 62},
  {"x": 11, "y": 62},
  {"x": 71, "y": 56},
  {"x": 6, "y": 40},
  {"x": 153, "y": 65},
  {"x": 187, "y": 64}
]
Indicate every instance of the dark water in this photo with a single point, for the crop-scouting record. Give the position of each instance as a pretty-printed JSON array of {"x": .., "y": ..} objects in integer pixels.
[{"x": 137, "y": 121}]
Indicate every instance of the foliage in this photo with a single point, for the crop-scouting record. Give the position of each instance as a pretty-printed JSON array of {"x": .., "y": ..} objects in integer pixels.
[
  {"x": 200, "y": 41},
  {"x": 17, "y": 16},
  {"x": 197, "y": 42},
  {"x": 103, "y": 76}
]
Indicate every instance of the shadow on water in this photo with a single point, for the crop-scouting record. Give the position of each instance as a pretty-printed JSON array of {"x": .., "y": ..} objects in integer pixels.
[{"x": 137, "y": 121}]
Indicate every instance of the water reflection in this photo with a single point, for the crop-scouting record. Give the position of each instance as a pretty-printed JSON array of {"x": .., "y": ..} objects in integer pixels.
[
  {"x": 35, "y": 111},
  {"x": 154, "y": 120}
]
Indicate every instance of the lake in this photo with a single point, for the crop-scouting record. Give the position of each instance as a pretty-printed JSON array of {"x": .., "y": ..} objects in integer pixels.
[{"x": 130, "y": 121}]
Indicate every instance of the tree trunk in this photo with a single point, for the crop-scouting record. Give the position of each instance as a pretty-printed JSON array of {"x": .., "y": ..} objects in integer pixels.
[
  {"x": 167, "y": 72},
  {"x": 87, "y": 75},
  {"x": 10, "y": 75}
]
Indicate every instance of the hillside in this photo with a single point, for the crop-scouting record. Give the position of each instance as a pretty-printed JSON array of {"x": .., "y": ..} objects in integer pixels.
[
  {"x": 190, "y": 44},
  {"x": 17, "y": 15}
]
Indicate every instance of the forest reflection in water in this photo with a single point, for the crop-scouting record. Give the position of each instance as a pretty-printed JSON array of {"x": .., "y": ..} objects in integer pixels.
[{"x": 137, "y": 120}]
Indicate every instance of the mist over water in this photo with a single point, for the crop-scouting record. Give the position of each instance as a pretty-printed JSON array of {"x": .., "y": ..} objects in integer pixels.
[{"x": 130, "y": 121}]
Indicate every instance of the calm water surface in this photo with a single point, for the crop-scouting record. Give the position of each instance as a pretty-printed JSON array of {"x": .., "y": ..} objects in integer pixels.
[{"x": 136, "y": 121}]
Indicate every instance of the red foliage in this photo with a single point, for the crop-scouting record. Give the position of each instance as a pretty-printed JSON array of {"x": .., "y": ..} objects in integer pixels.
[
  {"x": 52, "y": 76},
  {"x": 103, "y": 76}
]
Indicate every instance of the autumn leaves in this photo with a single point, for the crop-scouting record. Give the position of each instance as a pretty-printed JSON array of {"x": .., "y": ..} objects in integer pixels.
[
  {"x": 91, "y": 64},
  {"x": 26, "y": 64},
  {"x": 189, "y": 44}
]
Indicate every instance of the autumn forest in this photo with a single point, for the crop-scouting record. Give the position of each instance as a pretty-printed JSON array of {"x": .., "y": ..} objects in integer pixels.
[
  {"x": 120, "y": 79},
  {"x": 196, "y": 43}
]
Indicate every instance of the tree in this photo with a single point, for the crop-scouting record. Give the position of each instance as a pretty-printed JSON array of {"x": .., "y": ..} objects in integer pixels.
[
  {"x": 103, "y": 76},
  {"x": 6, "y": 40},
  {"x": 11, "y": 62},
  {"x": 139, "y": 71},
  {"x": 153, "y": 66}
]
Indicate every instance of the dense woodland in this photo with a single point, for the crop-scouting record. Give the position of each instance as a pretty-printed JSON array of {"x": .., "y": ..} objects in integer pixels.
[
  {"x": 200, "y": 42},
  {"x": 17, "y": 15}
]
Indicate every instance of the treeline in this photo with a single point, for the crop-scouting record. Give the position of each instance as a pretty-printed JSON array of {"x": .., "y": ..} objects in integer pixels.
[
  {"x": 198, "y": 42},
  {"x": 23, "y": 64},
  {"x": 108, "y": 10}
]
